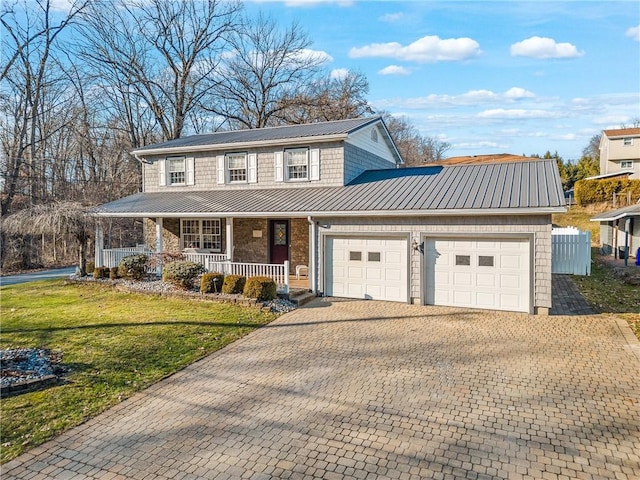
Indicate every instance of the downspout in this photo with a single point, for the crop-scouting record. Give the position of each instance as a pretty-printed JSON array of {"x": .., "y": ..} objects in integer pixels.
[{"x": 313, "y": 254}]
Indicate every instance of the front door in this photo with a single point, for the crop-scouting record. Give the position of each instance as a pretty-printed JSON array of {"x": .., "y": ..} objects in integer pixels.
[{"x": 278, "y": 241}]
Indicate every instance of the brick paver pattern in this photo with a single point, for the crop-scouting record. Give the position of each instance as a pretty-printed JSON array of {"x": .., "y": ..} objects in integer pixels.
[{"x": 364, "y": 389}]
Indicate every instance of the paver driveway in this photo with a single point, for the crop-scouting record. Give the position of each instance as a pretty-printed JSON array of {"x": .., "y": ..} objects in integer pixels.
[{"x": 363, "y": 389}]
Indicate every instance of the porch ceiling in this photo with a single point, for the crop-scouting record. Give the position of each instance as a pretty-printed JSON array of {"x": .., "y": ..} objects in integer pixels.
[{"x": 488, "y": 189}]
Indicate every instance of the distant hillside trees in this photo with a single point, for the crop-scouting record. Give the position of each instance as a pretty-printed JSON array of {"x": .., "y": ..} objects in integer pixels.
[{"x": 571, "y": 172}]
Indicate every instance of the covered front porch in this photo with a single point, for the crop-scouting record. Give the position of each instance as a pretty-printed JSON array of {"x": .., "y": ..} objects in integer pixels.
[{"x": 273, "y": 247}]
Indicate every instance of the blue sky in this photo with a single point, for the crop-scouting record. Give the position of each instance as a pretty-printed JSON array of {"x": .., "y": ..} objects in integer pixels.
[{"x": 487, "y": 77}]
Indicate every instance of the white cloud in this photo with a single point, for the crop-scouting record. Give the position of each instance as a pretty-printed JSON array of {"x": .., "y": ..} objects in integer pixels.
[
  {"x": 313, "y": 3},
  {"x": 478, "y": 144},
  {"x": 634, "y": 32},
  {"x": 470, "y": 98},
  {"x": 394, "y": 70},
  {"x": 516, "y": 113},
  {"x": 314, "y": 55},
  {"x": 516, "y": 93},
  {"x": 424, "y": 50},
  {"x": 392, "y": 17},
  {"x": 339, "y": 73},
  {"x": 543, "y": 48}
]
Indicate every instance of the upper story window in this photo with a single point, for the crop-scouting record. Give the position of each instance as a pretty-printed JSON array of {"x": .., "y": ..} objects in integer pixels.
[
  {"x": 626, "y": 164},
  {"x": 374, "y": 135},
  {"x": 177, "y": 170},
  {"x": 628, "y": 141},
  {"x": 237, "y": 167},
  {"x": 297, "y": 164}
]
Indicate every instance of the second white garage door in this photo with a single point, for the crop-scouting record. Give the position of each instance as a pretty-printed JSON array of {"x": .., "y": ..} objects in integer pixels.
[
  {"x": 373, "y": 268},
  {"x": 487, "y": 273}
]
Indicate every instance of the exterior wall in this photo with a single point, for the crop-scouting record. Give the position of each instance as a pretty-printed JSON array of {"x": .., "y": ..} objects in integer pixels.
[
  {"x": 357, "y": 160},
  {"x": 419, "y": 227},
  {"x": 606, "y": 237},
  {"x": 613, "y": 150},
  {"x": 299, "y": 252},
  {"x": 331, "y": 170},
  {"x": 362, "y": 139},
  {"x": 170, "y": 234},
  {"x": 246, "y": 247},
  {"x": 616, "y": 237}
]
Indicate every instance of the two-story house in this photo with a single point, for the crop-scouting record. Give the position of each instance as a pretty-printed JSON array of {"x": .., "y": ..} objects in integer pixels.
[
  {"x": 330, "y": 196},
  {"x": 620, "y": 152}
]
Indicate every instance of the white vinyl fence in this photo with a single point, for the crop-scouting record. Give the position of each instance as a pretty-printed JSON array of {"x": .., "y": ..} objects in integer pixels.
[
  {"x": 111, "y": 257},
  {"x": 279, "y": 272},
  {"x": 570, "y": 251}
]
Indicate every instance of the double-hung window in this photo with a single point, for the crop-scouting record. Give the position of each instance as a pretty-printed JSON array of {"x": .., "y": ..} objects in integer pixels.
[
  {"x": 202, "y": 234},
  {"x": 627, "y": 141},
  {"x": 177, "y": 170},
  {"x": 237, "y": 167},
  {"x": 297, "y": 164}
]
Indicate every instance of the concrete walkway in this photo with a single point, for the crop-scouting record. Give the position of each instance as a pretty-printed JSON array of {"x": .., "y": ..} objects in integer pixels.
[{"x": 365, "y": 389}]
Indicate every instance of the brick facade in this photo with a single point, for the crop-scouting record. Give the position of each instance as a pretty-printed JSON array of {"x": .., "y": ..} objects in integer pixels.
[
  {"x": 299, "y": 253},
  {"x": 246, "y": 247}
]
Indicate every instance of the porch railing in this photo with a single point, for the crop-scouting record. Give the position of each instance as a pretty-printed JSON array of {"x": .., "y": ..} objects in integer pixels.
[
  {"x": 213, "y": 262},
  {"x": 278, "y": 272},
  {"x": 113, "y": 256}
]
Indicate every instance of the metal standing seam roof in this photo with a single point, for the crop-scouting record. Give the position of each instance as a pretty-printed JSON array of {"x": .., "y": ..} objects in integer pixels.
[
  {"x": 319, "y": 129},
  {"x": 629, "y": 211},
  {"x": 470, "y": 189}
]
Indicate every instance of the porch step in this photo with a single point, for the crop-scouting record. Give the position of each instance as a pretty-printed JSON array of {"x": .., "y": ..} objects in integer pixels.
[{"x": 300, "y": 296}]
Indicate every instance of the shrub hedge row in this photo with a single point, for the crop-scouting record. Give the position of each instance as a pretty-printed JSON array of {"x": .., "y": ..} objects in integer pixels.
[{"x": 593, "y": 191}]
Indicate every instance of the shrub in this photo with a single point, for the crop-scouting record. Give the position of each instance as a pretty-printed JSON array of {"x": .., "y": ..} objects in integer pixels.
[
  {"x": 233, "y": 284},
  {"x": 101, "y": 272},
  {"x": 91, "y": 267},
  {"x": 602, "y": 190},
  {"x": 113, "y": 273},
  {"x": 182, "y": 273},
  {"x": 262, "y": 288},
  {"x": 133, "y": 266},
  {"x": 211, "y": 282}
]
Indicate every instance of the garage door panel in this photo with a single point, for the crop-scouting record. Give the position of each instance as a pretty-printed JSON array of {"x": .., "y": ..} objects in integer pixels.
[
  {"x": 482, "y": 273},
  {"x": 377, "y": 269}
]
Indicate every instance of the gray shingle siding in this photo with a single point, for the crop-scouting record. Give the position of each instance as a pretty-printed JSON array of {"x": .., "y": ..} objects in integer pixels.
[{"x": 357, "y": 160}]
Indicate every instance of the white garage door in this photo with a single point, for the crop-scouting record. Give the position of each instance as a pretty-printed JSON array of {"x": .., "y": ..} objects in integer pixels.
[
  {"x": 488, "y": 273},
  {"x": 372, "y": 268}
]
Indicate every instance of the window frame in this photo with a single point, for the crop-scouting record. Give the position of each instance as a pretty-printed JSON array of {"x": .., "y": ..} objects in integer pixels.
[
  {"x": 169, "y": 161},
  {"x": 287, "y": 156},
  {"x": 200, "y": 235},
  {"x": 627, "y": 141},
  {"x": 629, "y": 167},
  {"x": 228, "y": 170}
]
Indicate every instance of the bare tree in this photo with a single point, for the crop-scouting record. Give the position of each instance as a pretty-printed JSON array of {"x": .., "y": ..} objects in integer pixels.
[
  {"x": 160, "y": 54},
  {"x": 55, "y": 218},
  {"x": 415, "y": 149},
  {"x": 329, "y": 98},
  {"x": 265, "y": 66}
]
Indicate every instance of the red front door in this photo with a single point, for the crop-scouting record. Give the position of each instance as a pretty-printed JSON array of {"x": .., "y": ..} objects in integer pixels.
[{"x": 278, "y": 241}]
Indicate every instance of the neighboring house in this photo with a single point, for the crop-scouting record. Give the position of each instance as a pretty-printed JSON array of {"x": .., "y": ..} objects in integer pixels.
[
  {"x": 620, "y": 152},
  {"x": 618, "y": 228},
  {"x": 330, "y": 196}
]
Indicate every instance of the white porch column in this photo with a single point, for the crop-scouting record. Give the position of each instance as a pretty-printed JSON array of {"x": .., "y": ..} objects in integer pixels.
[
  {"x": 313, "y": 276},
  {"x": 99, "y": 246},
  {"x": 159, "y": 246},
  {"x": 229, "y": 239}
]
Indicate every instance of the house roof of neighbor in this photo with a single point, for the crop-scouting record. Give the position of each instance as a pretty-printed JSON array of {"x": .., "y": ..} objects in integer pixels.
[{"x": 611, "y": 215}]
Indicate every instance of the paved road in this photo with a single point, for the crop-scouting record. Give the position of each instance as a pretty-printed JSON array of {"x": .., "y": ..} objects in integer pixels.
[
  {"x": 365, "y": 389},
  {"x": 32, "y": 277}
]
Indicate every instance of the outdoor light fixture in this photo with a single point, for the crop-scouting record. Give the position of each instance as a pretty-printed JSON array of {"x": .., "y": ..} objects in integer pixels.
[{"x": 418, "y": 247}]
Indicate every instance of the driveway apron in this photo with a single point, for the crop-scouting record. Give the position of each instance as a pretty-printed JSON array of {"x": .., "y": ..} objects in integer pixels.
[{"x": 365, "y": 389}]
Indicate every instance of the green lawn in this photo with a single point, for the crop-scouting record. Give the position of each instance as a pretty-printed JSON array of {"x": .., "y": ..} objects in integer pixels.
[
  {"x": 114, "y": 344},
  {"x": 608, "y": 294}
]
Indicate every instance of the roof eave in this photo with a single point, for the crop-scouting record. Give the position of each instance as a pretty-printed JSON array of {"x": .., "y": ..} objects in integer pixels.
[
  {"x": 355, "y": 213},
  {"x": 239, "y": 145}
]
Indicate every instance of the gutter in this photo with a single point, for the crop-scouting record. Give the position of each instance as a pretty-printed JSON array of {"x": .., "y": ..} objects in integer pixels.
[
  {"x": 239, "y": 145},
  {"x": 329, "y": 214}
]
